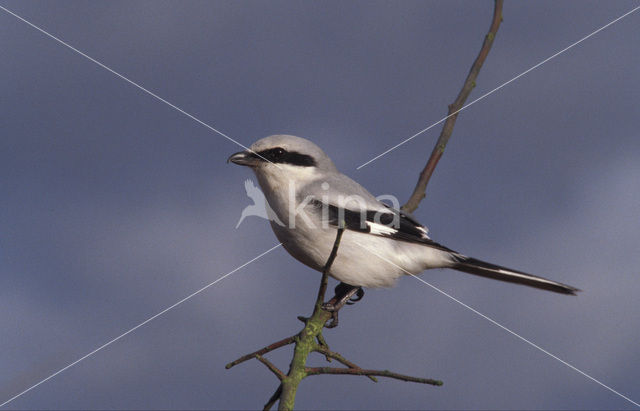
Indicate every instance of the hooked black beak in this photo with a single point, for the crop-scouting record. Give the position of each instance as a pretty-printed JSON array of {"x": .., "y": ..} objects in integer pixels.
[{"x": 244, "y": 158}]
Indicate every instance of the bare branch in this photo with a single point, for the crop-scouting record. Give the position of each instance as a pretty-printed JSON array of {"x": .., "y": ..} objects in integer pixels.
[
  {"x": 360, "y": 371},
  {"x": 419, "y": 192},
  {"x": 271, "y": 367},
  {"x": 337, "y": 356},
  {"x": 261, "y": 351},
  {"x": 323, "y": 343},
  {"x": 325, "y": 272},
  {"x": 275, "y": 397},
  {"x": 310, "y": 340}
]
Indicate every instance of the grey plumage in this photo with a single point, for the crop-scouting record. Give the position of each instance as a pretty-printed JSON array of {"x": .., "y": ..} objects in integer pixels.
[{"x": 380, "y": 243}]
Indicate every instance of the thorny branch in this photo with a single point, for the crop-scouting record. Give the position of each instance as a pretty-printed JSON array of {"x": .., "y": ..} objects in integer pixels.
[{"x": 419, "y": 192}]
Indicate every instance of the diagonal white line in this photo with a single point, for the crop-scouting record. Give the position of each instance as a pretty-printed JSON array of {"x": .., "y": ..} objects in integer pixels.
[
  {"x": 139, "y": 325},
  {"x": 130, "y": 81},
  {"x": 526, "y": 340},
  {"x": 497, "y": 88},
  {"x": 494, "y": 322}
]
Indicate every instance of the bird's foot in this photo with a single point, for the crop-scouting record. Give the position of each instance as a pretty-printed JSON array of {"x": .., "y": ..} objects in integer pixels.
[
  {"x": 358, "y": 296},
  {"x": 344, "y": 295}
]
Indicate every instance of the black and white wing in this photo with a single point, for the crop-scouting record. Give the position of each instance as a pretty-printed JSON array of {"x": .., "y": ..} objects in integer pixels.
[
  {"x": 400, "y": 226},
  {"x": 389, "y": 222}
]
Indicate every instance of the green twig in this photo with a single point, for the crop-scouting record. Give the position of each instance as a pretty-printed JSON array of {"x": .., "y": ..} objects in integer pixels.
[{"x": 305, "y": 340}]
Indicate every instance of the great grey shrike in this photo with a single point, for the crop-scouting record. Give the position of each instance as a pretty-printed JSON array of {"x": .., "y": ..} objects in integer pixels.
[{"x": 380, "y": 243}]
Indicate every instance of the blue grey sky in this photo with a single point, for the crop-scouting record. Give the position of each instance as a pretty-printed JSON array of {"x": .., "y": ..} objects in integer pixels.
[{"x": 115, "y": 205}]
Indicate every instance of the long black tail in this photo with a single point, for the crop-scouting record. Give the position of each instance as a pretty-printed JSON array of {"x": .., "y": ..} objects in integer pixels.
[{"x": 483, "y": 269}]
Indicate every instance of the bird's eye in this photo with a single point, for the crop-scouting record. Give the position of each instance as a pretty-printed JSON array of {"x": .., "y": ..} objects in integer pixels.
[{"x": 278, "y": 152}]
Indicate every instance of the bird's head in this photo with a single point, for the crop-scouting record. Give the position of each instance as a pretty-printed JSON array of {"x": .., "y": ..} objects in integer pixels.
[{"x": 284, "y": 156}]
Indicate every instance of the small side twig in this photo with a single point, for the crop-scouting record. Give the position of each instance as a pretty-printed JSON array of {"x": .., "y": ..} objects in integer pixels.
[
  {"x": 262, "y": 351},
  {"x": 271, "y": 367},
  {"x": 337, "y": 356},
  {"x": 327, "y": 267},
  {"x": 323, "y": 343},
  {"x": 380, "y": 373},
  {"x": 275, "y": 397},
  {"x": 419, "y": 192}
]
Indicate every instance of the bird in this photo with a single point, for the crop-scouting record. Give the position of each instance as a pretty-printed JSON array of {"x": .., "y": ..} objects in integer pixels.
[
  {"x": 260, "y": 206},
  {"x": 379, "y": 243}
]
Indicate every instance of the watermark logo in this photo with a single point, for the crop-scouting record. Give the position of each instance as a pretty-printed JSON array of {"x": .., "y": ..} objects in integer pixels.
[
  {"x": 260, "y": 207},
  {"x": 325, "y": 209}
]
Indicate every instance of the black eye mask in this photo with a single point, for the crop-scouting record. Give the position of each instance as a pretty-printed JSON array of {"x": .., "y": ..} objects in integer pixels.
[{"x": 279, "y": 155}]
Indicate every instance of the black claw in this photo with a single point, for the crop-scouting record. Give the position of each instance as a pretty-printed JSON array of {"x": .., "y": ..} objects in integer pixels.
[
  {"x": 357, "y": 297},
  {"x": 334, "y": 320}
]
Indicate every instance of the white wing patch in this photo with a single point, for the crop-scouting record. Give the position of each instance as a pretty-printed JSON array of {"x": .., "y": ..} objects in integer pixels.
[
  {"x": 424, "y": 230},
  {"x": 380, "y": 229}
]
